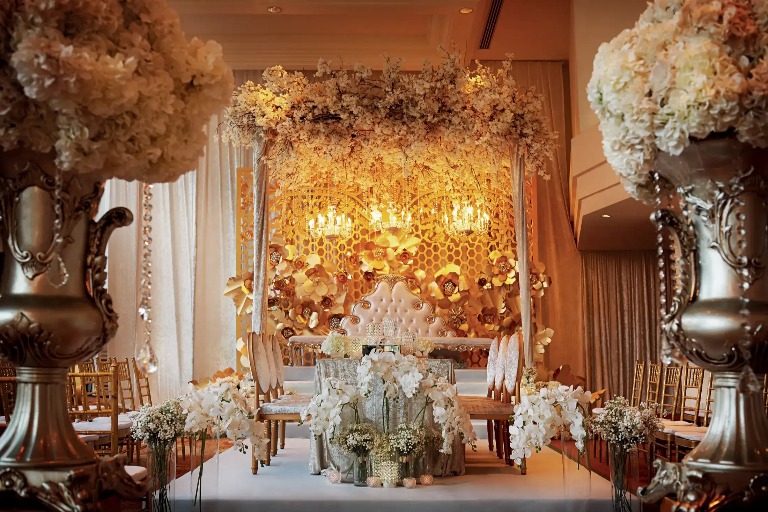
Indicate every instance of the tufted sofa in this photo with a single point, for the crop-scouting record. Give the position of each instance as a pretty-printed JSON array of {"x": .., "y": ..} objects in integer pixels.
[{"x": 392, "y": 298}]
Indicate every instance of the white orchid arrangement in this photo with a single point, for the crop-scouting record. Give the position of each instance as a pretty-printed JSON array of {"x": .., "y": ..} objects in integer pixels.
[
  {"x": 224, "y": 407},
  {"x": 688, "y": 69},
  {"x": 447, "y": 412},
  {"x": 540, "y": 417},
  {"x": 623, "y": 426},
  {"x": 110, "y": 87},
  {"x": 325, "y": 408},
  {"x": 397, "y": 371}
]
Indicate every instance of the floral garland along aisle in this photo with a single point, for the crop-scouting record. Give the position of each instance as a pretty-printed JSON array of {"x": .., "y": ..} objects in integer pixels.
[{"x": 398, "y": 374}]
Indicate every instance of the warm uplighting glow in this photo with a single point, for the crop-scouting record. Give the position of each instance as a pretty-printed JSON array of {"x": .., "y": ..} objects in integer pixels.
[
  {"x": 330, "y": 225},
  {"x": 466, "y": 220},
  {"x": 606, "y": 216},
  {"x": 465, "y": 10},
  {"x": 390, "y": 218},
  {"x": 274, "y": 9}
]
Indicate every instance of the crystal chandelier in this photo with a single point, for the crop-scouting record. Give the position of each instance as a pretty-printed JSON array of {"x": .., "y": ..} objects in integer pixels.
[
  {"x": 332, "y": 224},
  {"x": 391, "y": 217},
  {"x": 465, "y": 220}
]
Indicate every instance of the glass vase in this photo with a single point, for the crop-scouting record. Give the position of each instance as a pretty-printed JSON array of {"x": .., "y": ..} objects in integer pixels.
[
  {"x": 361, "y": 470},
  {"x": 623, "y": 472},
  {"x": 405, "y": 466},
  {"x": 161, "y": 467},
  {"x": 204, "y": 471}
]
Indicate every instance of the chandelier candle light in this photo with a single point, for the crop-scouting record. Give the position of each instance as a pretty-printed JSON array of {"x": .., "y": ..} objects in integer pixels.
[
  {"x": 466, "y": 220},
  {"x": 331, "y": 225}
]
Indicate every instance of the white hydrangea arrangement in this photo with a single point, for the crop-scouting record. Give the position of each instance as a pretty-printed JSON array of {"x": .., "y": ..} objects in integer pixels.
[
  {"x": 687, "y": 70},
  {"x": 540, "y": 417},
  {"x": 623, "y": 426},
  {"x": 110, "y": 87},
  {"x": 334, "y": 345}
]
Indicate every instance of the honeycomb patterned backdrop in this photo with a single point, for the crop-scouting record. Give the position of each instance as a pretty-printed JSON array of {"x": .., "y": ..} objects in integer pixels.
[{"x": 435, "y": 251}]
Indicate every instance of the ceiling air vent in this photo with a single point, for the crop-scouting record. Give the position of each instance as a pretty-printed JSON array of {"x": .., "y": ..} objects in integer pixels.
[{"x": 490, "y": 24}]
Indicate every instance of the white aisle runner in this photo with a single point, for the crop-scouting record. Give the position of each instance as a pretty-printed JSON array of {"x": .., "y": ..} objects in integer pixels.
[{"x": 287, "y": 486}]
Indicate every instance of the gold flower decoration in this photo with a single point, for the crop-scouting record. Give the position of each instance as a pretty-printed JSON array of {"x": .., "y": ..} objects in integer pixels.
[
  {"x": 503, "y": 269},
  {"x": 539, "y": 280},
  {"x": 240, "y": 290},
  {"x": 450, "y": 287}
]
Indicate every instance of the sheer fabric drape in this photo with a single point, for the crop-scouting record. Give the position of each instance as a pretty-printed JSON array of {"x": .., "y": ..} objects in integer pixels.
[
  {"x": 621, "y": 316},
  {"x": 193, "y": 233}
]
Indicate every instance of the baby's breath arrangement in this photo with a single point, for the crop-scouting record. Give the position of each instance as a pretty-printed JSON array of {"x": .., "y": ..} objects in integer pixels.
[
  {"x": 623, "y": 426},
  {"x": 408, "y": 438},
  {"x": 358, "y": 438}
]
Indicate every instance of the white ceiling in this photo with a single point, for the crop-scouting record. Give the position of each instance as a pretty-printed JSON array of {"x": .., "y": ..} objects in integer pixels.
[{"x": 364, "y": 30}]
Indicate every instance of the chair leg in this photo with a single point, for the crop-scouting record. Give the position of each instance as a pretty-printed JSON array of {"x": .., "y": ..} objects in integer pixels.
[
  {"x": 254, "y": 461},
  {"x": 499, "y": 444},
  {"x": 282, "y": 435},
  {"x": 274, "y": 438},
  {"x": 489, "y": 426},
  {"x": 269, "y": 450},
  {"x": 183, "y": 450}
]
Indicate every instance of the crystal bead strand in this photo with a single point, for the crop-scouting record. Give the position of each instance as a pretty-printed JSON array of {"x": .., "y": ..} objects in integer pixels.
[
  {"x": 62, "y": 276},
  {"x": 146, "y": 356},
  {"x": 657, "y": 194}
]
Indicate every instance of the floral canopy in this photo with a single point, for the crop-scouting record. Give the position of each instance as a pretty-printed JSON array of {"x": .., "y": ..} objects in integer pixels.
[{"x": 447, "y": 131}]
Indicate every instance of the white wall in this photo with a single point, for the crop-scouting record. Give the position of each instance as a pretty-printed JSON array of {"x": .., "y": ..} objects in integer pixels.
[{"x": 593, "y": 22}]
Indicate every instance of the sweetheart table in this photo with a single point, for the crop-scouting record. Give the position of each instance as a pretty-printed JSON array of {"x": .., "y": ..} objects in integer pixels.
[{"x": 324, "y": 454}]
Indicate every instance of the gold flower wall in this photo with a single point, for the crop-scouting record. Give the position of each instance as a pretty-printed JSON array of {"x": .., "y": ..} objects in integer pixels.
[{"x": 472, "y": 281}]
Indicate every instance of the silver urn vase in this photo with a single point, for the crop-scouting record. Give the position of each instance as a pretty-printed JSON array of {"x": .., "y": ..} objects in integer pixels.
[
  {"x": 49, "y": 323},
  {"x": 716, "y": 315}
]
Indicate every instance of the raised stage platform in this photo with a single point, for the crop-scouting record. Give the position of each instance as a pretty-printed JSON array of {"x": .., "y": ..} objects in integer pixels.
[{"x": 287, "y": 486}]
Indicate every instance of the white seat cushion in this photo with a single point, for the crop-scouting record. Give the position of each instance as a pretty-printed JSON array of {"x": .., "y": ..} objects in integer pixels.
[
  {"x": 675, "y": 422},
  {"x": 691, "y": 436},
  {"x": 88, "y": 438},
  {"x": 2, "y": 419},
  {"x": 138, "y": 473},
  {"x": 597, "y": 411},
  {"x": 102, "y": 425},
  {"x": 671, "y": 429}
]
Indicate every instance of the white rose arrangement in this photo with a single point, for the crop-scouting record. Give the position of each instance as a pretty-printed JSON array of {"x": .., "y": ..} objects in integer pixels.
[
  {"x": 688, "y": 69},
  {"x": 110, "y": 87}
]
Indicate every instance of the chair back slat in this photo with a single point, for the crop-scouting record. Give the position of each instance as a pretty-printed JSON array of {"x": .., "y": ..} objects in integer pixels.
[
  {"x": 126, "y": 398},
  {"x": 693, "y": 379},
  {"x": 654, "y": 383},
  {"x": 637, "y": 383},
  {"x": 670, "y": 392},
  {"x": 143, "y": 393}
]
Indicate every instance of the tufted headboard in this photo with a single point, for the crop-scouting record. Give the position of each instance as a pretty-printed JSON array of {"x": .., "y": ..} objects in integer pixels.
[{"x": 392, "y": 298}]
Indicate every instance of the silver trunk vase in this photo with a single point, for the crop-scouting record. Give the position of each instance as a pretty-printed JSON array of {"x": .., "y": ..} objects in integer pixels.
[
  {"x": 716, "y": 317},
  {"x": 46, "y": 327}
]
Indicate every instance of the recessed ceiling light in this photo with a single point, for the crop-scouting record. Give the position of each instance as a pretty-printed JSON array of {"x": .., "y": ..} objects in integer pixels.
[
  {"x": 606, "y": 216},
  {"x": 274, "y": 9},
  {"x": 465, "y": 10}
]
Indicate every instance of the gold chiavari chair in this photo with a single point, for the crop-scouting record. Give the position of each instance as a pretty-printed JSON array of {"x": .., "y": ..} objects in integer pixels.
[
  {"x": 97, "y": 412},
  {"x": 671, "y": 408},
  {"x": 688, "y": 439},
  {"x": 652, "y": 400},
  {"x": 688, "y": 405},
  {"x": 126, "y": 398}
]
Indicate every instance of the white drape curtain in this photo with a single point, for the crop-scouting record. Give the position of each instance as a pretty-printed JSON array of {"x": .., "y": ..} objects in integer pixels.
[{"x": 193, "y": 254}]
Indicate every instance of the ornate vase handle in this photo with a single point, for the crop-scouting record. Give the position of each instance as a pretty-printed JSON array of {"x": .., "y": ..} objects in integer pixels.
[{"x": 674, "y": 346}]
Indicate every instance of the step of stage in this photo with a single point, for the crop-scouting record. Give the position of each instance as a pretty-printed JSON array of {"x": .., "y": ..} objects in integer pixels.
[{"x": 301, "y": 379}]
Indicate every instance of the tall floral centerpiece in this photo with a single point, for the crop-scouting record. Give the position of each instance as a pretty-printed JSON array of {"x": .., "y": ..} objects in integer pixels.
[
  {"x": 682, "y": 99},
  {"x": 89, "y": 91},
  {"x": 623, "y": 427},
  {"x": 159, "y": 427}
]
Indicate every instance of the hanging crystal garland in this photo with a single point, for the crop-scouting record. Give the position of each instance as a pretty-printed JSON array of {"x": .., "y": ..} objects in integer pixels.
[
  {"x": 61, "y": 275},
  {"x": 146, "y": 356}
]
